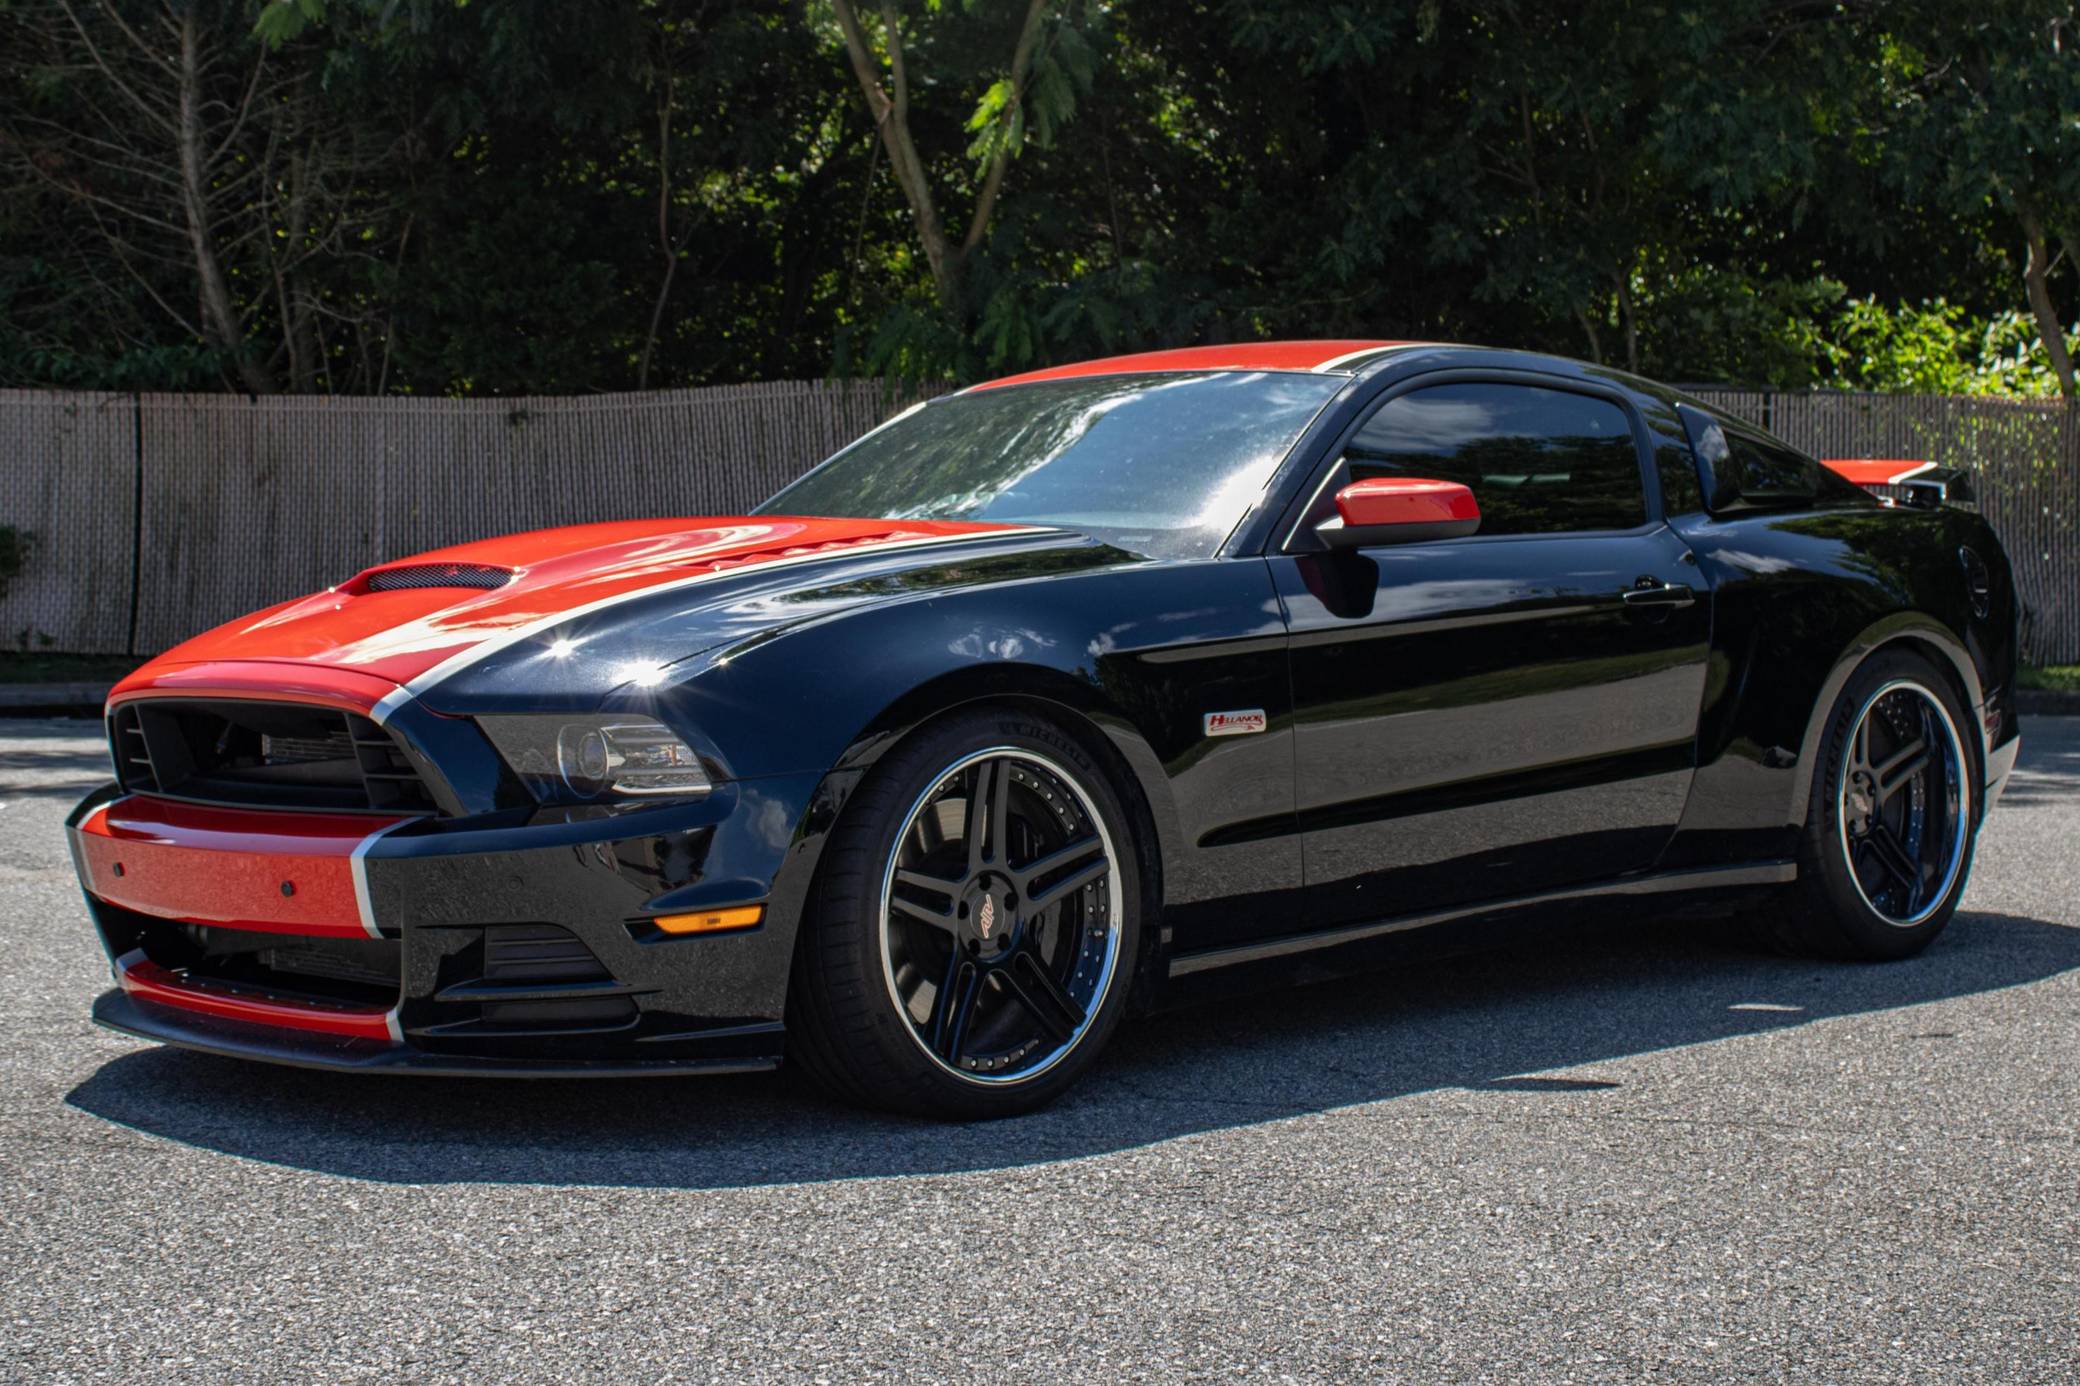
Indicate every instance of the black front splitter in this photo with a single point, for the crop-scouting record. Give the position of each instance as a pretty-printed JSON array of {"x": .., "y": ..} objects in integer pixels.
[{"x": 115, "y": 1010}]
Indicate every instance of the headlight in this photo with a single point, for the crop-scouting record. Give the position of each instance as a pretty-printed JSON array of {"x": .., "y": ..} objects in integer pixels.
[{"x": 586, "y": 758}]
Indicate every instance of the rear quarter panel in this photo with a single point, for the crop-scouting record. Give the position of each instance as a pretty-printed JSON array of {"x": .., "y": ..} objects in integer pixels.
[{"x": 1799, "y": 601}]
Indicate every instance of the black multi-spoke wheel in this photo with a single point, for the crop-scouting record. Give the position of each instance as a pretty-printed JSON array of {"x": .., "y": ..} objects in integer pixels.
[
  {"x": 974, "y": 922},
  {"x": 1904, "y": 807},
  {"x": 998, "y": 928},
  {"x": 1893, "y": 817}
]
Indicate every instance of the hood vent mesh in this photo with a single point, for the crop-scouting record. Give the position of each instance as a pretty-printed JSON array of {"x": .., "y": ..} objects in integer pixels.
[{"x": 475, "y": 575}]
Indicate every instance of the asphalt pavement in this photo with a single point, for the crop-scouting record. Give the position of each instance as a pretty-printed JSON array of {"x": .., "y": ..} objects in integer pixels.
[{"x": 1627, "y": 1151}]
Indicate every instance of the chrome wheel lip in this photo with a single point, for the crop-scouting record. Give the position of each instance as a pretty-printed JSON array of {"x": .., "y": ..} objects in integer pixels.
[
  {"x": 1956, "y": 762},
  {"x": 1099, "y": 994}
]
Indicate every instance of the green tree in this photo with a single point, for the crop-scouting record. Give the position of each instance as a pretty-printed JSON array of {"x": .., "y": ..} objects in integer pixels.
[
  {"x": 208, "y": 175},
  {"x": 1978, "y": 106},
  {"x": 1027, "y": 98},
  {"x": 429, "y": 196}
]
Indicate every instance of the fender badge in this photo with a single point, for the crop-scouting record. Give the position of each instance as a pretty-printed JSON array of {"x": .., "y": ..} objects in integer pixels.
[{"x": 1241, "y": 723}]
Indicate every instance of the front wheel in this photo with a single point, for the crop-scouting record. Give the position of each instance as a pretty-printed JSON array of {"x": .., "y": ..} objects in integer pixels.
[
  {"x": 1893, "y": 818},
  {"x": 974, "y": 924}
]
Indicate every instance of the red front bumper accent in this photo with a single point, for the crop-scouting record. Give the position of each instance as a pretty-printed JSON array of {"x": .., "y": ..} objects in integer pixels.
[
  {"x": 147, "y": 981},
  {"x": 281, "y": 873}
]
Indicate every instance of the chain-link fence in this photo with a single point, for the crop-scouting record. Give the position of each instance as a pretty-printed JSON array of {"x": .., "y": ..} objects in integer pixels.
[{"x": 2024, "y": 458}]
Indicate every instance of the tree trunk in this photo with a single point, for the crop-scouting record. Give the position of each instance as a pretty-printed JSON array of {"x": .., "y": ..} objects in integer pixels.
[
  {"x": 891, "y": 111},
  {"x": 666, "y": 246},
  {"x": 2036, "y": 274},
  {"x": 217, "y": 313},
  {"x": 1630, "y": 319},
  {"x": 300, "y": 336},
  {"x": 1581, "y": 315},
  {"x": 892, "y": 119}
]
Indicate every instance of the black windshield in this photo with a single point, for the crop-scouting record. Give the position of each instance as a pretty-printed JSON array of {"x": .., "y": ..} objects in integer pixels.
[{"x": 1162, "y": 465}]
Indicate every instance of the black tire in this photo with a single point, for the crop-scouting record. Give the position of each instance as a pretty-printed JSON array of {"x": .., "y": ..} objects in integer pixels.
[
  {"x": 1859, "y": 893},
  {"x": 863, "y": 971}
]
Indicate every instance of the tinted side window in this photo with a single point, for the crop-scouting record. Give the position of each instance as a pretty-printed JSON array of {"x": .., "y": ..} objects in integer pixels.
[
  {"x": 1768, "y": 473},
  {"x": 1750, "y": 469},
  {"x": 1537, "y": 460}
]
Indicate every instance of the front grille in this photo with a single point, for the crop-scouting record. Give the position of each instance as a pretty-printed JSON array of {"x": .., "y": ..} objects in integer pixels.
[
  {"x": 301, "y": 750},
  {"x": 289, "y": 967},
  {"x": 352, "y": 961},
  {"x": 439, "y": 575},
  {"x": 544, "y": 977},
  {"x": 126, "y": 745},
  {"x": 526, "y": 980},
  {"x": 515, "y": 953},
  {"x": 263, "y": 755}
]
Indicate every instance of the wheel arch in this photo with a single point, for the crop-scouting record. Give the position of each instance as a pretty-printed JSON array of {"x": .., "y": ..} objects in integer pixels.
[
  {"x": 1912, "y": 631},
  {"x": 1105, "y": 733},
  {"x": 1102, "y": 729}
]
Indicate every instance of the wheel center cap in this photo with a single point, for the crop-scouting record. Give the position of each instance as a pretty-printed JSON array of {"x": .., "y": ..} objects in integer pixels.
[
  {"x": 1860, "y": 802},
  {"x": 992, "y": 919}
]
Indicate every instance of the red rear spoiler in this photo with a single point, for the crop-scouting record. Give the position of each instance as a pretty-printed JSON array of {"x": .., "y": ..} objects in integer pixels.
[
  {"x": 1872, "y": 471},
  {"x": 1898, "y": 481}
]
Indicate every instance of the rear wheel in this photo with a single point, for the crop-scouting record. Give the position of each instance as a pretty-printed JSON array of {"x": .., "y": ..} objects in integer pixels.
[
  {"x": 974, "y": 924},
  {"x": 1893, "y": 818}
]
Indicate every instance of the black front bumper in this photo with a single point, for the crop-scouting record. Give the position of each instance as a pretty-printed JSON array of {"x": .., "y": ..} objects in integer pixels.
[{"x": 521, "y": 945}]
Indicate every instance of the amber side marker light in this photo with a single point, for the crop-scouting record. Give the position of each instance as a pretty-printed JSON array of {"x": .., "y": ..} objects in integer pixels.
[{"x": 710, "y": 921}]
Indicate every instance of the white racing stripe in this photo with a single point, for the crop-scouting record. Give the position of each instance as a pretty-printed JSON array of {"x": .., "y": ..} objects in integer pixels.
[
  {"x": 360, "y": 869},
  {"x": 461, "y": 660},
  {"x": 1336, "y": 363}
]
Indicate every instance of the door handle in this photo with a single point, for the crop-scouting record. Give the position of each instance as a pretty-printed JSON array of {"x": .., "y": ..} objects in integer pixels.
[{"x": 1648, "y": 591}]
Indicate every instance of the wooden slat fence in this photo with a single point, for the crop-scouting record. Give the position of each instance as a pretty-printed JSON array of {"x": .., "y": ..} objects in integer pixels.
[
  {"x": 151, "y": 517},
  {"x": 68, "y": 479},
  {"x": 225, "y": 504}
]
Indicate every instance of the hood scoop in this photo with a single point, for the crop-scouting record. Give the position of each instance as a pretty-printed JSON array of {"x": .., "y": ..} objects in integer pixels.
[{"x": 404, "y": 577}]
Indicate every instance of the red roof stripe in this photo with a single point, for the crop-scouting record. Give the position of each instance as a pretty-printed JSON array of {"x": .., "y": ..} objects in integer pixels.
[{"x": 1232, "y": 356}]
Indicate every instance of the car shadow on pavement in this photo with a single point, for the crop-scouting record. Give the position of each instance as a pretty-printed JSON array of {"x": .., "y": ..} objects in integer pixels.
[
  {"x": 64, "y": 770},
  {"x": 1492, "y": 1021},
  {"x": 2049, "y": 773}
]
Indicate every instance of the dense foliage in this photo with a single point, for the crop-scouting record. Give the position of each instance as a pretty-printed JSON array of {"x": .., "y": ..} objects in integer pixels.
[{"x": 536, "y": 195}]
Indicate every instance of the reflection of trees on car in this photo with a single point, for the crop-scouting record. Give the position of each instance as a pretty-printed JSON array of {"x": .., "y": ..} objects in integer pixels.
[
  {"x": 1530, "y": 485},
  {"x": 1159, "y": 464}
]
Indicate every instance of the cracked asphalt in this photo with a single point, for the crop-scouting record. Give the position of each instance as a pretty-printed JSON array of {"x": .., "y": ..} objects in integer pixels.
[{"x": 1617, "y": 1151}]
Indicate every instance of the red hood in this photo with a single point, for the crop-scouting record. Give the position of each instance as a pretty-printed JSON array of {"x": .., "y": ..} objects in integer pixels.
[{"x": 353, "y": 645}]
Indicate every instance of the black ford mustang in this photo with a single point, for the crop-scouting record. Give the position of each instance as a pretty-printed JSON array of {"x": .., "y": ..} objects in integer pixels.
[{"x": 1082, "y": 681}]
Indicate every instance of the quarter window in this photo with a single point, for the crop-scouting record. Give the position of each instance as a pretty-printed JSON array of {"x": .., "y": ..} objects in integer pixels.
[
  {"x": 1749, "y": 470},
  {"x": 1538, "y": 461}
]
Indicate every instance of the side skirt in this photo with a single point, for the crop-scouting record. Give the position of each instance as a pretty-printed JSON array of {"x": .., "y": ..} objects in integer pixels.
[{"x": 1659, "y": 883}]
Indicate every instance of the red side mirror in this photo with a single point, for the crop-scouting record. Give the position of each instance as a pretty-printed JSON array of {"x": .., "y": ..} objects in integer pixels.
[{"x": 1400, "y": 510}]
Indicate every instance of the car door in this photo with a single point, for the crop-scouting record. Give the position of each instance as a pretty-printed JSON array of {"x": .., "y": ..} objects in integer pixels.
[{"x": 1515, "y": 710}]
